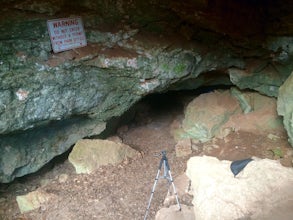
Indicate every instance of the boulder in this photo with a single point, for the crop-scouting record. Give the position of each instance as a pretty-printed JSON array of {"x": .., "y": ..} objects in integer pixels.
[
  {"x": 88, "y": 155},
  {"x": 262, "y": 117},
  {"x": 216, "y": 114},
  {"x": 285, "y": 106},
  {"x": 262, "y": 190},
  {"x": 205, "y": 115}
]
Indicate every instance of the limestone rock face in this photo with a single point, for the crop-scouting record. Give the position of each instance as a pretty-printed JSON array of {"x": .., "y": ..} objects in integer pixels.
[
  {"x": 154, "y": 47},
  {"x": 27, "y": 152},
  {"x": 285, "y": 105},
  {"x": 263, "y": 190},
  {"x": 88, "y": 155}
]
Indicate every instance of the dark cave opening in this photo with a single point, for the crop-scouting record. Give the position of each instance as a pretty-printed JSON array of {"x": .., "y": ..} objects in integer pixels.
[{"x": 157, "y": 104}]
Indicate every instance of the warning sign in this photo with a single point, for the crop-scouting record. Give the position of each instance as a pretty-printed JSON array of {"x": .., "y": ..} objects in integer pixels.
[{"x": 66, "y": 33}]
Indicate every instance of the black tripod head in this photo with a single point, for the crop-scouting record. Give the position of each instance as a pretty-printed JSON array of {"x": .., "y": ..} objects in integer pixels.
[
  {"x": 164, "y": 160},
  {"x": 164, "y": 153}
]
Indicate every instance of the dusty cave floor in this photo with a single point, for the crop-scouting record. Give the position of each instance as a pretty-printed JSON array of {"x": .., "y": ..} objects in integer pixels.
[{"x": 122, "y": 191}]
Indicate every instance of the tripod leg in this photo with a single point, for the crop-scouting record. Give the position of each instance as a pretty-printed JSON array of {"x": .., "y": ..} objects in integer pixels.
[
  {"x": 166, "y": 168},
  {"x": 175, "y": 192},
  {"x": 152, "y": 194}
]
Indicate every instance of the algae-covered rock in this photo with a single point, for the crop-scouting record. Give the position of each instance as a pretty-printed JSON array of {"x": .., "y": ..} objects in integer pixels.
[
  {"x": 206, "y": 114},
  {"x": 285, "y": 106},
  {"x": 243, "y": 101},
  {"x": 218, "y": 113},
  {"x": 255, "y": 79},
  {"x": 266, "y": 74}
]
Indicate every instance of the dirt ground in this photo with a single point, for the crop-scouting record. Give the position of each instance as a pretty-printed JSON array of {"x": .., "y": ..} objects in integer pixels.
[{"x": 123, "y": 191}]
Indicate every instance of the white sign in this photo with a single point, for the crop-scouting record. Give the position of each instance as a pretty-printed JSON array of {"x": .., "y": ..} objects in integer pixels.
[{"x": 66, "y": 33}]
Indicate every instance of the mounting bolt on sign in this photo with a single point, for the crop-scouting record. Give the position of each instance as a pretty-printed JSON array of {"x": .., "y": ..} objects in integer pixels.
[{"x": 66, "y": 33}]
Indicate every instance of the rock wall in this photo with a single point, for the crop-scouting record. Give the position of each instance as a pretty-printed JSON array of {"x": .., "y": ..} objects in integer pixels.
[
  {"x": 285, "y": 106},
  {"x": 134, "y": 49}
]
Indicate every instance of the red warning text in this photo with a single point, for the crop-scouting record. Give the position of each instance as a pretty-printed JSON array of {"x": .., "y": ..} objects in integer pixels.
[{"x": 66, "y": 34}]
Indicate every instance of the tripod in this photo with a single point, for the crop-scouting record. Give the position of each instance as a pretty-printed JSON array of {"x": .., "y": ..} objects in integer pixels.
[{"x": 168, "y": 177}]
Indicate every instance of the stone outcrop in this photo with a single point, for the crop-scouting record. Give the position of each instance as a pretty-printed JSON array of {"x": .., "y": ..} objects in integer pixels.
[
  {"x": 151, "y": 49},
  {"x": 285, "y": 106},
  {"x": 27, "y": 152},
  {"x": 219, "y": 195}
]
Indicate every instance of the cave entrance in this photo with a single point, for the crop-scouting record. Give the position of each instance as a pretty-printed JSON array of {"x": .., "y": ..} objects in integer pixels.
[
  {"x": 152, "y": 125},
  {"x": 228, "y": 123}
]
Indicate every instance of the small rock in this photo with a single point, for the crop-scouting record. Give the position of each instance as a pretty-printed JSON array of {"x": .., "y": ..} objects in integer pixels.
[
  {"x": 63, "y": 178},
  {"x": 208, "y": 148},
  {"x": 45, "y": 182},
  {"x": 195, "y": 147},
  {"x": 173, "y": 213},
  {"x": 115, "y": 139},
  {"x": 224, "y": 132},
  {"x": 273, "y": 137},
  {"x": 32, "y": 200},
  {"x": 183, "y": 148}
]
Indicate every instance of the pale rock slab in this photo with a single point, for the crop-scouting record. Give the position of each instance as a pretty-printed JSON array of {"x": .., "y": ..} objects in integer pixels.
[
  {"x": 89, "y": 154},
  {"x": 263, "y": 190}
]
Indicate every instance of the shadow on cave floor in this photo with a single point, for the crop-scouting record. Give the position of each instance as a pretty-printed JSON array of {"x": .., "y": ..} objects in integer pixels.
[{"x": 122, "y": 192}]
